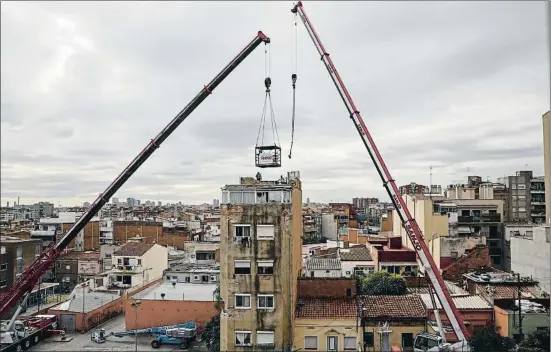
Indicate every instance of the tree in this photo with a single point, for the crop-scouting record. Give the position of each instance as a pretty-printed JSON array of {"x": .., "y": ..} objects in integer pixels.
[
  {"x": 538, "y": 341},
  {"x": 486, "y": 339},
  {"x": 383, "y": 283},
  {"x": 211, "y": 335}
]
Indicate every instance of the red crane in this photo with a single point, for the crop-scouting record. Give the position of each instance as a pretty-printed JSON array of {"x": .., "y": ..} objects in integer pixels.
[
  {"x": 30, "y": 277},
  {"x": 410, "y": 225}
]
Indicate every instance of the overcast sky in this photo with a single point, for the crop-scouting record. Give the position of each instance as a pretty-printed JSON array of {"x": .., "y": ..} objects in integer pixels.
[{"x": 85, "y": 86}]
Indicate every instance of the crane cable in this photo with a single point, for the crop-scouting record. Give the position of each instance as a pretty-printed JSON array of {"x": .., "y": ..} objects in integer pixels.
[
  {"x": 294, "y": 77},
  {"x": 267, "y": 101}
]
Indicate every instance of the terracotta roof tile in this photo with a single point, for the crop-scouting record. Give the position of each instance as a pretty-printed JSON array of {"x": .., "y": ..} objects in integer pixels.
[
  {"x": 133, "y": 249},
  {"x": 507, "y": 291},
  {"x": 397, "y": 307},
  {"x": 320, "y": 263},
  {"x": 326, "y": 308},
  {"x": 80, "y": 256},
  {"x": 356, "y": 253}
]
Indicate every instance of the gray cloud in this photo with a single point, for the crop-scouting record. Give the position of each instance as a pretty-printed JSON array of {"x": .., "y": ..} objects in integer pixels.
[{"x": 85, "y": 85}]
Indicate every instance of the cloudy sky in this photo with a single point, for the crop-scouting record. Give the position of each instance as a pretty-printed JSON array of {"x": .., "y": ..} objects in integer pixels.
[{"x": 460, "y": 86}]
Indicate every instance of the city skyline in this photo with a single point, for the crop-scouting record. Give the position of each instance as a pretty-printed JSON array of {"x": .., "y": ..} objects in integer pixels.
[{"x": 469, "y": 95}]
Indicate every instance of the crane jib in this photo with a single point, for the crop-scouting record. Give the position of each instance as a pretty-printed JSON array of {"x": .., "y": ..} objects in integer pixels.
[
  {"x": 412, "y": 229},
  {"x": 31, "y": 276}
]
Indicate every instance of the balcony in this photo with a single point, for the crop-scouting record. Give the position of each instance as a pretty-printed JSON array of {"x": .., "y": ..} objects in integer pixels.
[
  {"x": 538, "y": 215},
  {"x": 486, "y": 218},
  {"x": 106, "y": 229},
  {"x": 128, "y": 269},
  {"x": 537, "y": 190},
  {"x": 43, "y": 233}
]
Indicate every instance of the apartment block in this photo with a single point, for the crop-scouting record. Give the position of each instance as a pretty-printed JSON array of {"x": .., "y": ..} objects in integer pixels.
[
  {"x": 261, "y": 228},
  {"x": 537, "y": 200},
  {"x": 519, "y": 195},
  {"x": 16, "y": 255}
]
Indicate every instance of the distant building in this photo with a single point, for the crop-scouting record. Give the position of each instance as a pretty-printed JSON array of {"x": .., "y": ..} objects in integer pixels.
[
  {"x": 16, "y": 256},
  {"x": 530, "y": 254},
  {"x": 414, "y": 188}
]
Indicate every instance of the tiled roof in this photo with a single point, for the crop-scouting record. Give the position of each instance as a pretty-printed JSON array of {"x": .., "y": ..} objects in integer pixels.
[
  {"x": 80, "y": 256},
  {"x": 326, "y": 308},
  {"x": 332, "y": 252},
  {"x": 133, "y": 249},
  {"x": 359, "y": 253},
  {"x": 507, "y": 291},
  {"x": 394, "y": 307},
  {"x": 461, "y": 302},
  {"x": 323, "y": 264}
]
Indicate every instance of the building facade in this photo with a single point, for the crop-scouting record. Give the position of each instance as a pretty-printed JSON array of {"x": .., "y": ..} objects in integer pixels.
[
  {"x": 16, "y": 255},
  {"x": 261, "y": 228},
  {"x": 547, "y": 164}
]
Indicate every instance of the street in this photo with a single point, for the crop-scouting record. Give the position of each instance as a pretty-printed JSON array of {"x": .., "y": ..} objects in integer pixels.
[{"x": 83, "y": 342}]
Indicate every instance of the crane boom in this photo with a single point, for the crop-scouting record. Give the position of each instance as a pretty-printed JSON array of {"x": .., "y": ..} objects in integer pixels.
[
  {"x": 408, "y": 222},
  {"x": 31, "y": 276}
]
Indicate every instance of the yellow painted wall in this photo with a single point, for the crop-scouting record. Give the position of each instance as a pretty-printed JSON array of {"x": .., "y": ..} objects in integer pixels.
[
  {"x": 547, "y": 164},
  {"x": 501, "y": 319},
  {"x": 323, "y": 328},
  {"x": 395, "y": 335}
]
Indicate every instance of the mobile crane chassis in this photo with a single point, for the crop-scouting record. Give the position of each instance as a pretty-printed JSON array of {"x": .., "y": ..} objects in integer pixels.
[{"x": 31, "y": 276}]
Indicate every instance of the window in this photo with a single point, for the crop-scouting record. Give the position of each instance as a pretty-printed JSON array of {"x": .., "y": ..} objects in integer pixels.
[
  {"x": 187, "y": 279},
  {"x": 368, "y": 339},
  {"x": 265, "y": 301},
  {"x": 310, "y": 342},
  {"x": 242, "y": 231},
  {"x": 514, "y": 186},
  {"x": 19, "y": 266},
  {"x": 350, "y": 343},
  {"x": 213, "y": 278},
  {"x": 265, "y": 267},
  {"x": 521, "y": 209},
  {"x": 242, "y": 301},
  {"x": 348, "y": 292},
  {"x": 2, "y": 249},
  {"x": 454, "y": 254},
  {"x": 521, "y": 186},
  {"x": 264, "y": 232},
  {"x": 139, "y": 262},
  {"x": 3, "y": 267},
  {"x": 19, "y": 251},
  {"x": 242, "y": 338},
  {"x": 3, "y": 284},
  {"x": 264, "y": 337},
  {"x": 37, "y": 250},
  {"x": 67, "y": 267},
  {"x": 521, "y": 197},
  {"x": 242, "y": 267}
]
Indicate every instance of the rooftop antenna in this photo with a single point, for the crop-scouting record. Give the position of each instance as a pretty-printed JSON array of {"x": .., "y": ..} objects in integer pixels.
[{"x": 430, "y": 181}]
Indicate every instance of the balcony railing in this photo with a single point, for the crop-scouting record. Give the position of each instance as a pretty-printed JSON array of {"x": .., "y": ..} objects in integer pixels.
[
  {"x": 479, "y": 219},
  {"x": 537, "y": 190},
  {"x": 42, "y": 233},
  {"x": 538, "y": 215},
  {"x": 126, "y": 268}
]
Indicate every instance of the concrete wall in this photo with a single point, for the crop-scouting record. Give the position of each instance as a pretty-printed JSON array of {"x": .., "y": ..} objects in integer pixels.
[
  {"x": 155, "y": 258},
  {"x": 308, "y": 287},
  {"x": 451, "y": 248},
  {"x": 328, "y": 226},
  {"x": 321, "y": 328},
  {"x": 530, "y": 257},
  {"x": 348, "y": 266},
  {"x": 151, "y": 313}
]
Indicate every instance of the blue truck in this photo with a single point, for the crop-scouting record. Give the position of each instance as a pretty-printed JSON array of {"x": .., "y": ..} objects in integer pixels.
[{"x": 180, "y": 334}]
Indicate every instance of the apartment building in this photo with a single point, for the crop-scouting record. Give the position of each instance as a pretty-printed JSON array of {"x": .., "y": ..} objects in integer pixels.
[
  {"x": 530, "y": 254},
  {"x": 51, "y": 230},
  {"x": 16, "y": 255},
  {"x": 547, "y": 164},
  {"x": 136, "y": 263},
  {"x": 519, "y": 194},
  {"x": 537, "y": 200},
  {"x": 261, "y": 228},
  {"x": 74, "y": 267}
]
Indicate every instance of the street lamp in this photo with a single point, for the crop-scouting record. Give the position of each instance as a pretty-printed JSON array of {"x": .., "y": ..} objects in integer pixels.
[{"x": 135, "y": 305}]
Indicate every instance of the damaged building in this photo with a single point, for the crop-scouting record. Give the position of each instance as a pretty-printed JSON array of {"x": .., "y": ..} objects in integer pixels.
[{"x": 261, "y": 228}]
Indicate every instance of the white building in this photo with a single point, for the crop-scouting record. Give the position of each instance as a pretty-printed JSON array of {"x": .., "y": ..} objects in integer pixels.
[
  {"x": 136, "y": 263},
  {"x": 328, "y": 226},
  {"x": 530, "y": 254},
  {"x": 195, "y": 274},
  {"x": 356, "y": 260},
  {"x": 323, "y": 267}
]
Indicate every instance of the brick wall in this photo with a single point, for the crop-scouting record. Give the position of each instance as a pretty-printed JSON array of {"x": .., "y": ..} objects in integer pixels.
[
  {"x": 325, "y": 287},
  {"x": 476, "y": 258},
  {"x": 152, "y": 233},
  {"x": 91, "y": 235}
]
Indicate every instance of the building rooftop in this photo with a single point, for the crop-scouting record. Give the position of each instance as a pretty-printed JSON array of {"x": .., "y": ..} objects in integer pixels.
[
  {"x": 492, "y": 292},
  {"x": 358, "y": 253},
  {"x": 80, "y": 256},
  {"x": 392, "y": 307},
  {"x": 193, "y": 268},
  {"x": 87, "y": 302},
  {"x": 461, "y": 302},
  {"x": 133, "y": 249},
  {"x": 318, "y": 263},
  {"x": 326, "y": 308},
  {"x": 11, "y": 239},
  {"x": 497, "y": 277},
  {"x": 179, "y": 292}
]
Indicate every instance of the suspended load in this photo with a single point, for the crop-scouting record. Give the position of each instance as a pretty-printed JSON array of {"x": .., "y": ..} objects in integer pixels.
[{"x": 267, "y": 154}]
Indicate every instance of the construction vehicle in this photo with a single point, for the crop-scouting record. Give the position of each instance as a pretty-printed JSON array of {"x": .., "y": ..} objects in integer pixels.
[
  {"x": 181, "y": 334},
  {"x": 26, "y": 282},
  {"x": 48, "y": 257},
  {"x": 409, "y": 224}
]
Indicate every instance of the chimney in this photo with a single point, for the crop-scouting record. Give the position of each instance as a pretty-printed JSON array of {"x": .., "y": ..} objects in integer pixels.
[
  {"x": 395, "y": 242},
  {"x": 346, "y": 244}
]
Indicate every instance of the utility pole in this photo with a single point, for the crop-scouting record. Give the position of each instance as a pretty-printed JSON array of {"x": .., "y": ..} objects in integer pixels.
[{"x": 519, "y": 291}]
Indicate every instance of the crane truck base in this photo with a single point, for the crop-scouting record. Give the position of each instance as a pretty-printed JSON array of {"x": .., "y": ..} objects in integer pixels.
[{"x": 25, "y": 333}]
